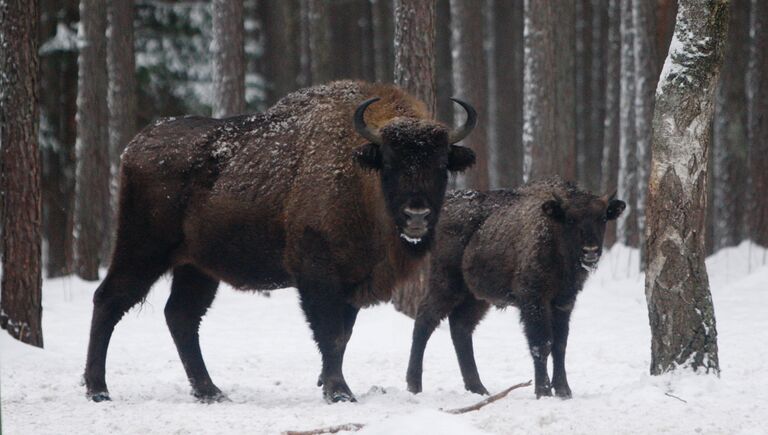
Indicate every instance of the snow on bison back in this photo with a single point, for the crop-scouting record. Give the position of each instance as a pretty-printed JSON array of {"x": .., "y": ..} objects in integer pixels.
[{"x": 335, "y": 190}]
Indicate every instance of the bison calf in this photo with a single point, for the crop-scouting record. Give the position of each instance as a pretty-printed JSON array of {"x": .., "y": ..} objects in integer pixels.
[{"x": 531, "y": 248}]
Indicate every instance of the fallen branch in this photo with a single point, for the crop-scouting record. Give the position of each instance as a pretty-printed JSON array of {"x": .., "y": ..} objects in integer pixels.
[
  {"x": 482, "y": 403},
  {"x": 353, "y": 427},
  {"x": 675, "y": 397}
]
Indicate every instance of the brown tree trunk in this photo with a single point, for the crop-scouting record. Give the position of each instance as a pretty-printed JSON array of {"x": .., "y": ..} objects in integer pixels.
[
  {"x": 92, "y": 196},
  {"x": 507, "y": 32},
  {"x": 539, "y": 91},
  {"x": 415, "y": 72},
  {"x": 282, "y": 36},
  {"x": 610, "y": 161},
  {"x": 318, "y": 33},
  {"x": 626, "y": 226},
  {"x": 469, "y": 81},
  {"x": 121, "y": 63},
  {"x": 564, "y": 37},
  {"x": 680, "y": 307},
  {"x": 443, "y": 62},
  {"x": 587, "y": 149},
  {"x": 58, "y": 106},
  {"x": 757, "y": 121},
  {"x": 383, "y": 31},
  {"x": 415, "y": 49},
  {"x": 228, "y": 58},
  {"x": 729, "y": 139},
  {"x": 20, "y": 303},
  {"x": 595, "y": 137}
]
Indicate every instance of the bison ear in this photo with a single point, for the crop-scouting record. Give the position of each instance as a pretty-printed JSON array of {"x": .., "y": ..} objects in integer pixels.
[
  {"x": 615, "y": 208},
  {"x": 553, "y": 209},
  {"x": 368, "y": 156},
  {"x": 460, "y": 158}
]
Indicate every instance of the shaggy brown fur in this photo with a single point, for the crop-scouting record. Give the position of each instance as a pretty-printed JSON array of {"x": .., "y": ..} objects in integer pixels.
[
  {"x": 529, "y": 248},
  {"x": 275, "y": 200}
]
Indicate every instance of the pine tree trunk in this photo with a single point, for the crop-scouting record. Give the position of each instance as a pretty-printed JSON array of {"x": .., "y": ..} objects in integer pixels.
[
  {"x": 228, "y": 58},
  {"x": 319, "y": 37},
  {"x": 583, "y": 80},
  {"x": 121, "y": 64},
  {"x": 92, "y": 202},
  {"x": 610, "y": 161},
  {"x": 729, "y": 138},
  {"x": 645, "y": 86},
  {"x": 415, "y": 72},
  {"x": 757, "y": 121},
  {"x": 282, "y": 37},
  {"x": 508, "y": 52},
  {"x": 381, "y": 19},
  {"x": 539, "y": 91},
  {"x": 595, "y": 138},
  {"x": 443, "y": 62},
  {"x": 469, "y": 81},
  {"x": 415, "y": 49},
  {"x": 680, "y": 307},
  {"x": 58, "y": 105},
  {"x": 626, "y": 228},
  {"x": 20, "y": 303}
]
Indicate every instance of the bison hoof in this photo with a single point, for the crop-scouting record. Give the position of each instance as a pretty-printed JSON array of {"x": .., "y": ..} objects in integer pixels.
[
  {"x": 210, "y": 395},
  {"x": 563, "y": 392},
  {"x": 101, "y": 396},
  {"x": 337, "y": 391},
  {"x": 477, "y": 389},
  {"x": 338, "y": 396},
  {"x": 543, "y": 391},
  {"x": 414, "y": 387}
]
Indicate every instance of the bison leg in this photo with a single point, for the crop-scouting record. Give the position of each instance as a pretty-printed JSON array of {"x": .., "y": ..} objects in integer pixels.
[
  {"x": 122, "y": 288},
  {"x": 423, "y": 327},
  {"x": 560, "y": 326},
  {"x": 463, "y": 319},
  {"x": 192, "y": 293},
  {"x": 538, "y": 330}
]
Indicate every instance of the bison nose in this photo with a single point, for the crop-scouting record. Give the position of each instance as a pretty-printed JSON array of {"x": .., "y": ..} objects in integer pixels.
[
  {"x": 417, "y": 214},
  {"x": 590, "y": 249},
  {"x": 590, "y": 254}
]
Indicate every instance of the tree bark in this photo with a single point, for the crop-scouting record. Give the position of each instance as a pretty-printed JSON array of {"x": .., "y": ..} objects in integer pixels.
[
  {"x": 20, "y": 305},
  {"x": 626, "y": 226},
  {"x": 383, "y": 35},
  {"x": 415, "y": 49},
  {"x": 92, "y": 191},
  {"x": 318, "y": 32},
  {"x": 282, "y": 37},
  {"x": 564, "y": 37},
  {"x": 610, "y": 161},
  {"x": 729, "y": 139},
  {"x": 228, "y": 58},
  {"x": 121, "y": 64},
  {"x": 680, "y": 310},
  {"x": 443, "y": 62},
  {"x": 469, "y": 81},
  {"x": 539, "y": 91},
  {"x": 757, "y": 119},
  {"x": 507, "y": 33}
]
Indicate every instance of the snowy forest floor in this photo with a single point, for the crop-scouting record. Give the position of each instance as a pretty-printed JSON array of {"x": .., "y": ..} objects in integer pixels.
[{"x": 260, "y": 352}]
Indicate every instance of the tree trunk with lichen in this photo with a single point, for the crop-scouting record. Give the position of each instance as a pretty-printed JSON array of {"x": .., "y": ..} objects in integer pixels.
[{"x": 680, "y": 309}]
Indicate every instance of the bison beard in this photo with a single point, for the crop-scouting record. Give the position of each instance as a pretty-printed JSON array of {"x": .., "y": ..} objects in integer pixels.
[{"x": 291, "y": 197}]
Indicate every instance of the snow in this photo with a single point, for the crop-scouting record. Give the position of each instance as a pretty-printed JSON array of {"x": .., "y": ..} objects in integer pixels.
[{"x": 260, "y": 352}]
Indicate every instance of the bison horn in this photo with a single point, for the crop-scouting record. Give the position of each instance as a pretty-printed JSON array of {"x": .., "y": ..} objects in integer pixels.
[
  {"x": 362, "y": 129},
  {"x": 608, "y": 197},
  {"x": 458, "y": 134}
]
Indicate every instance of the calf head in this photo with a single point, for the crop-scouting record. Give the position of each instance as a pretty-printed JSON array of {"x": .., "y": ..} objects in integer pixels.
[
  {"x": 413, "y": 158},
  {"x": 583, "y": 218}
]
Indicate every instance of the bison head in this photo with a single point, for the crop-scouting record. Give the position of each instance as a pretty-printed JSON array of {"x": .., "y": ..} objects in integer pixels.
[
  {"x": 413, "y": 158},
  {"x": 584, "y": 218}
]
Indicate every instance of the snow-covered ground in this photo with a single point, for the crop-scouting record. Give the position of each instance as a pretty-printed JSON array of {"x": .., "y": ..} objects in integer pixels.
[{"x": 260, "y": 352}]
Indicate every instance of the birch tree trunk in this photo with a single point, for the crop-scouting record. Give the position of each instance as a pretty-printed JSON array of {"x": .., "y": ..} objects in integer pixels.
[
  {"x": 469, "y": 81},
  {"x": 92, "y": 190},
  {"x": 626, "y": 226},
  {"x": 415, "y": 49},
  {"x": 680, "y": 310},
  {"x": 228, "y": 58},
  {"x": 20, "y": 303}
]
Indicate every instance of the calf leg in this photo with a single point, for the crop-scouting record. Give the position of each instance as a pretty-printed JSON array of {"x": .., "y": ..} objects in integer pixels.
[
  {"x": 122, "y": 288},
  {"x": 537, "y": 323},
  {"x": 463, "y": 319},
  {"x": 560, "y": 320},
  {"x": 423, "y": 327},
  {"x": 192, "y": 292}
]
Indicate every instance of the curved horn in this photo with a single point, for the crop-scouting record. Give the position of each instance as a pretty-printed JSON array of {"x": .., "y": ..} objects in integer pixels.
[
  {"x": 608, "y": 197},
  {"x": 362, "y": 129},
  {"x": 458, "y": 134}
]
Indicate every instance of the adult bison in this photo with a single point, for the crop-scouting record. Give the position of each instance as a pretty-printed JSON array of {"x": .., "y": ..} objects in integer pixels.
[
  {"x": 530, "y": 248},
  {"x": 335, "y": 190}
]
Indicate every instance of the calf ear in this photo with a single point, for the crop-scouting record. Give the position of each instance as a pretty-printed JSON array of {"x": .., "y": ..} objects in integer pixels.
[
  {"x": 553, "y": 209},
  {"x": 460, "y": 158},
  {"x": 615, "y": 208},
  {"x": 368, "y": 156}
]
